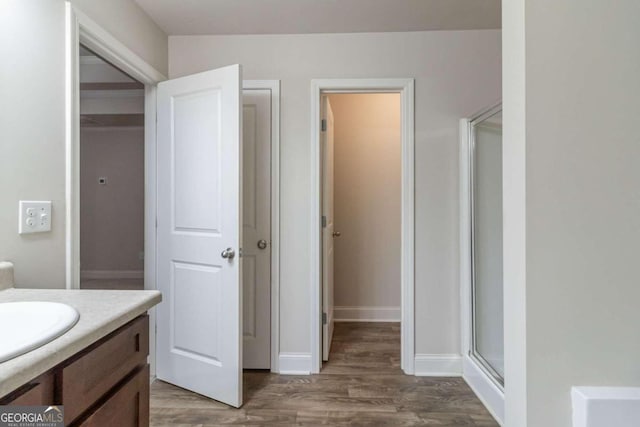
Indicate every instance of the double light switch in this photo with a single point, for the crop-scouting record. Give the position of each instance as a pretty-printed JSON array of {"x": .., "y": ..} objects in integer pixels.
[{"x": 35, "y": 217}]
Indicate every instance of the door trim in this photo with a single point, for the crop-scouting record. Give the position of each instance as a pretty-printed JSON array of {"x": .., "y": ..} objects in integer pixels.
[
  {"x": 406, "y": 89},
  {"x": 79, "y": 28},
  {"x": 82, "y": 29},
  {"x": 274, "y": 87}
]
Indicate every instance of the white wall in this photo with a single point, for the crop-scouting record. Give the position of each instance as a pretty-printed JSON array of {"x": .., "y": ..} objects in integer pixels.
[
  {"x": 514, "y": 212},
  {"x": 111, "y": 215},
  {"x": 578, "y": 109},
  {"x": 127, "y": 22},
  {"x": 32, "y": 135},
  {"x": 367, "y": 187},
  {"x": 95, "y": 70},
  {"x": 456, "y": 72}
]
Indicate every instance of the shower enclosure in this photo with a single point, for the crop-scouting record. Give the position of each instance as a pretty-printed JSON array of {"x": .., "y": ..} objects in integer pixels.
[
  {"x": 481, "y": 256},
  {"x": 486, "y": 243}
]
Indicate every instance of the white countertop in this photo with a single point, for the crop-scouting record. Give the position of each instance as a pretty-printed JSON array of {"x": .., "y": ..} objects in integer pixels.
[{"x": 101, "y": 312}]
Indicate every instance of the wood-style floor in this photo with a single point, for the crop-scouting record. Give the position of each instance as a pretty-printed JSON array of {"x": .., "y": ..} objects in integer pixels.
[{"x": 361, "y": 385}]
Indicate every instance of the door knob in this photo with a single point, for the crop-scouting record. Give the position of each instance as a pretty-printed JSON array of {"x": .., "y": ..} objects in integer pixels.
[
  {"x": 337, "y": 234},
  {"x": 228, "y": 253},
  {"x": 262, "y": 244}
]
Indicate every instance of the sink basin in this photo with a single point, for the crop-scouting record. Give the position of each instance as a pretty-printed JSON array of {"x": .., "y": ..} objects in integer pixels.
[{"x": 25, "y": 326}]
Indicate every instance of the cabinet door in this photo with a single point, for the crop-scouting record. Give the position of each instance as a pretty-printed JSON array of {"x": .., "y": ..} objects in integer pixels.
[
  {"x": 101, "y": 367},
  {"x": 127, "y": 407},
  {"x": 38, "y": 392}
]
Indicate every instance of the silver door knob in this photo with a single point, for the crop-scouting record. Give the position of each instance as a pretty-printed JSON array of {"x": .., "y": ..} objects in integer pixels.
[
  {"x": 262, "y": 244},
  {"x": 337, "y": 234},
  {"x": 228, "y": 253}
]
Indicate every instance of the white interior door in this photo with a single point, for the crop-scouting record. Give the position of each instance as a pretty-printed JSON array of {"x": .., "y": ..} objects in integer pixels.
[
  {"x": 328, "y": 227},
  {"x": 199, "y": 336},
  {"x": 256, "y": 231}
]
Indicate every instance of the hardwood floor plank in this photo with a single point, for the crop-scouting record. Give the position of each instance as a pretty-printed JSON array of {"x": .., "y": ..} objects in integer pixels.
[
  {"x": 361, "y": 385},
  {"x": 349, "y": 418},
  {"x": 445, "y": 419}
]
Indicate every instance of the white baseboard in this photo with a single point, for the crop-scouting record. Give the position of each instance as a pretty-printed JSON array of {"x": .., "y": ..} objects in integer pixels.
[
  {"x": 295, "y": 363},
  {"x": 367, "y": 314},
  {"x": 112, "y": 274},
  {"x": 487, "y": 391},
  {"x": 438, "y": 365}
]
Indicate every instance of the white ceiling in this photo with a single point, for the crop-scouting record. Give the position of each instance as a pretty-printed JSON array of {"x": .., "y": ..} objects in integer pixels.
[{"x": 190, "y": 17}]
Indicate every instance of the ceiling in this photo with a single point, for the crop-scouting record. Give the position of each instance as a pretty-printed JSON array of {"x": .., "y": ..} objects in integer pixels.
[{"x": 193, "y": 17}]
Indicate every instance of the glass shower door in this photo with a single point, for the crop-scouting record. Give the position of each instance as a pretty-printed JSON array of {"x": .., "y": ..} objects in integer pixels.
[{"x": 486, "y": 215}]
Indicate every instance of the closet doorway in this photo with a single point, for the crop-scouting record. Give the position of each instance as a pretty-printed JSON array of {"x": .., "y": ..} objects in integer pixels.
[
  {"x": 363, "y": 248},
  {"x": 361, "y": 222},
  {"x": 112, "y": 174}
]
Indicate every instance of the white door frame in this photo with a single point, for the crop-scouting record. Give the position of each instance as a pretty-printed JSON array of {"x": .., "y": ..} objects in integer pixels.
[
  {"x": 82, "y": 29},
  {"x": 406, "y": 89},
  {"x": 274, "y": 87}
]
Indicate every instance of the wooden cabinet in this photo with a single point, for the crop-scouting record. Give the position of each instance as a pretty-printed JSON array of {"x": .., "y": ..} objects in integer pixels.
[
  {"x": 106, "y": 384},
  {"x": 127, "y": 407},
  {"x": 97, "y": 370},
  {"x": 38, "y": 392}
]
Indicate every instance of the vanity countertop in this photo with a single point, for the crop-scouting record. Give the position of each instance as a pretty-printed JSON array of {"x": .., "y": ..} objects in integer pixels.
[{"x": 101, "y": 312}]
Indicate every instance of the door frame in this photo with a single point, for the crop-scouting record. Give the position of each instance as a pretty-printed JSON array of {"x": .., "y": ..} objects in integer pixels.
[
  {"x": 405, "y": 87},
  {"x": 79, "y": 28},
  {"x": 274, "y": 87},
  {"x": 82, "y": 29}
]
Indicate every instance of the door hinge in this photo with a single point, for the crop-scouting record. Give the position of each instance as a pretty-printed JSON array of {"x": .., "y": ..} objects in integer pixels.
[
  {"x": 323, "y": 221},
  {"x": 323, "y": 125},
  {"x": 324, "y": 318}
]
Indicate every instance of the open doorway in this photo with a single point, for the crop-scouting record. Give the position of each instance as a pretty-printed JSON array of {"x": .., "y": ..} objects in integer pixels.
[
  {"x": 361, "y": 207},
  {"x": 111, "y": 176},
  {"x": 322, "y": 299}
]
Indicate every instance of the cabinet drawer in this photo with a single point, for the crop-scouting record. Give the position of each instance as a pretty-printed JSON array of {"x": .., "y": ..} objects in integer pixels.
[
  {"x": 102, "y": 366},
  {"x": 38, "y": 392},
  {"x": 127, "y": 407}
]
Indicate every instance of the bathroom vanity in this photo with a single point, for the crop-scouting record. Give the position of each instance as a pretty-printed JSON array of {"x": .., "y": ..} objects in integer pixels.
[{"x": 98, "y": 369}]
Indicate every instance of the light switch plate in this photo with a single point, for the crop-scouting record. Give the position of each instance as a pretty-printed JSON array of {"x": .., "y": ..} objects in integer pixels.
[{"x": 34, "y": 217}]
